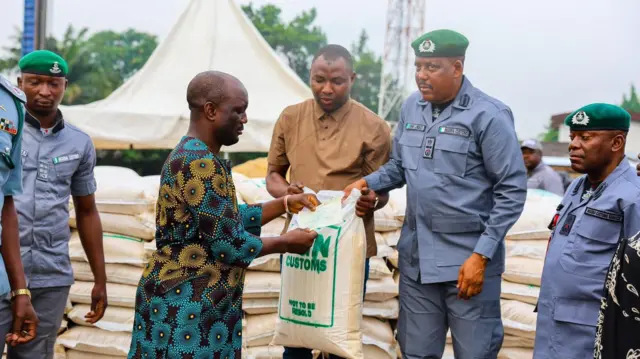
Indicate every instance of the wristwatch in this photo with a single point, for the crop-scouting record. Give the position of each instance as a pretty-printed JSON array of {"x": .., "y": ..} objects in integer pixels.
[{"x": 17, "y": 292}]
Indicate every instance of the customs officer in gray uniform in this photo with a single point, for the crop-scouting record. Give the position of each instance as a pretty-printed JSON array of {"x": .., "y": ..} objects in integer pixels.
[
  {"x": 58, "y": 161},
  {"x": 23, "y": 321},
  {"x": 598, "y": 209},
  {"x": 457, "y": 151}
]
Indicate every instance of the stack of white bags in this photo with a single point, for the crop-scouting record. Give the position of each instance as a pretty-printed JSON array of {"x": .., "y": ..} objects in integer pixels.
[
  {"x": 263, "y": 281},
  {"x": 126, "y": 203}
]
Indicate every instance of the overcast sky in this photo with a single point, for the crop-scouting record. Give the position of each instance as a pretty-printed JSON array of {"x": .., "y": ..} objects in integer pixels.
[{"x": 539, "y": 57}]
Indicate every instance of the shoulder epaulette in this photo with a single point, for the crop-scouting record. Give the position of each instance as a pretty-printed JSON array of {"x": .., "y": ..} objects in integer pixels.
[{"x": 14, "y": 91}]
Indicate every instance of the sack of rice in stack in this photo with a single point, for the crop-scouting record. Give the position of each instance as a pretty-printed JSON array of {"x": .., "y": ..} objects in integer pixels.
[
  {"x": 126, "y": 202},
  {"x": 320, "y": 302}
]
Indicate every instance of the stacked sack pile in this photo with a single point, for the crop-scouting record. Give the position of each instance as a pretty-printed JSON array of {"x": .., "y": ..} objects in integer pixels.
[
  {"x": 262, "y": 284},
  {"x": 126, "y": 203}
]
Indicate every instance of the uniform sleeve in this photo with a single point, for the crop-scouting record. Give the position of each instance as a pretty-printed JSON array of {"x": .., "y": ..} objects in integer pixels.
[
  {"x": 503, "y": 162},
  {"x": 553, "y": 183},
  {"x": 377, "y": 153},
  {"x": 83, "y": 182},
  {"x": 278, "y": 149},
  {"x": 13, "y": 186},
  {"x": 391, "y": 174}
]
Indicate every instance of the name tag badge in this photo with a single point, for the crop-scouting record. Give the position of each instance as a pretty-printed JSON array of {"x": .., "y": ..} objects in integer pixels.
[
  {"x": 43, "y": 171},
  {"x": 462, "y": 132},
  {"x": 429, "y": 147},
  {"x": 568, "y": 224},
  {"x": 66, "y": 158},
  {"x": 607, "y": 216},
  {"x": 415, "y": 127}
]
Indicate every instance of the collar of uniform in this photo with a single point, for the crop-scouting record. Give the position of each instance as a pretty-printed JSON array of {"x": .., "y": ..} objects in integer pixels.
[
  {"x": 35, "y": 123},
  {"x": 462, "y": 100},
  {"x": 337, "y": 115},
  {"x": 622, "y": 168}
]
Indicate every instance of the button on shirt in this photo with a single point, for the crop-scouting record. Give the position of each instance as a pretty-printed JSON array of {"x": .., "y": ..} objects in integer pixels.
[
  {"x": 331, "y": 151},
  {"x": 10, "y": 178},
  {"x": 56, "y": 165}
]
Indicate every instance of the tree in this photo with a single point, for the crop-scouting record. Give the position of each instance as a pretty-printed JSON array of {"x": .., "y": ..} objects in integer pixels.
[
  {"x": 98, "y": 64},
  {"x": 368, "y": 68},
  {"x": 631, "y": 104},
  {"x": 297, "y": 40}
]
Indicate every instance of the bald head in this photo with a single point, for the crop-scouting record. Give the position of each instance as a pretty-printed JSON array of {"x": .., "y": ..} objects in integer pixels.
[{"x": 210, "y": 86}]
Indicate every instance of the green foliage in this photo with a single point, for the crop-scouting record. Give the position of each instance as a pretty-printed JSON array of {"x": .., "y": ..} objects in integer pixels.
[
  {"x": 368, "y": 67},
  {"x": 98, "y": 64},
  {"x": 631, "y": 103},
  {"x": 297, "y": 40},
  {"x": 551, "y": 135}
]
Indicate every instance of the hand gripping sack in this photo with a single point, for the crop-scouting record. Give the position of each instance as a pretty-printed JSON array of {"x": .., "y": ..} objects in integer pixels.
[{"x": 321, "y": 296}]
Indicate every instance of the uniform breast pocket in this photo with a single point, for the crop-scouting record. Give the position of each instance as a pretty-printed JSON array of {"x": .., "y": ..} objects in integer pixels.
[
  {"x": 6, "y": 162},
  {"x": 596, "y": 240},
  {"x": 450, "y": 156},
  {"x": 410, "y": 148},
  {"x": 66, "y": 165}
]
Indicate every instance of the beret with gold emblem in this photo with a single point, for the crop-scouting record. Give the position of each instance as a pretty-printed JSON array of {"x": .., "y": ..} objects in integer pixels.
[
  {"x": 440, "y": 43},
  {"x": 44, "y": 62},
  {"x": 599, "y": 117}
]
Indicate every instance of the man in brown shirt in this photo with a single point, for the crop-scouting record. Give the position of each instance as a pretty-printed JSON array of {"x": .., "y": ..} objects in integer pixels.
[{"x": 328, "y": 143}]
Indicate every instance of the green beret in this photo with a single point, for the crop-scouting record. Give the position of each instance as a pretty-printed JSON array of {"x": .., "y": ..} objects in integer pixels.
[
  {"x": 44, "y": 62},
  {"x": 440, "y": 43},
  {"x": 599, "y": 117}
]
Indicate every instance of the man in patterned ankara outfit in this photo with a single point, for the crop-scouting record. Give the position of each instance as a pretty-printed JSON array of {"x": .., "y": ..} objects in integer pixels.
[{"x": 189, "y": 300}]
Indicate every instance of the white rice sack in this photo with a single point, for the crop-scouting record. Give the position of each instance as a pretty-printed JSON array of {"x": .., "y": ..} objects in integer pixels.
[
  {"x": 142, "y": 226},
  {"x": 118, "y": 249},
  {"x": 378, "y": 268},
  {"x": 268, "y": 263},
  {"x": 388, "y": 309},
  {"x": 518, "y": 319},
  {"x": 115, "y": 319},
  {"x": 321, "y": 299},
  {"x": 539, "y": 209},
  {"x": 521, "y": 292},
  {"x": 253, "y": 190},
  {"x": 259, "y": 330},
  {"x": 523, "y": 270},
  {"x": 96, "y": 341},
  {"x": 392, "y": 238},
  {"x": 378, "y": 332},
  {"x": 120, "y": 295},
  {"x": 77, "y": 354},
  {"x": 116, "y": 273},
  {"x": 534, "y": 249},
  {"x": 380, "y": 290},
  {"x": 385, "y": 221},
  {"x": 261, "y": 285},
  {"x": 260, "y": 305},
  {"x": 398, "y": 202}
]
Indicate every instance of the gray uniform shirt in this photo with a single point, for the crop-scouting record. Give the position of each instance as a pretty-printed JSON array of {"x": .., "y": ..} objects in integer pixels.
[
  {"x": 10, "y": 145},
  {"x": 545, "y": 178},
  {"x": 580, "y": 252},
  {"x": 466, "y": 183},
  {"x": 55, "y": 166}
]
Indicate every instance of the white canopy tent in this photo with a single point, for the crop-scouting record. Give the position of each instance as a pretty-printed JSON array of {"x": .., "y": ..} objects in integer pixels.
[{"x": 150, "y": 110}]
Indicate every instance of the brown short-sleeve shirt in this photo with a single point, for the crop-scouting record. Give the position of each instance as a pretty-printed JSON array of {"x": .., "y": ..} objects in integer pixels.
[{"x": 331, "y": 151}]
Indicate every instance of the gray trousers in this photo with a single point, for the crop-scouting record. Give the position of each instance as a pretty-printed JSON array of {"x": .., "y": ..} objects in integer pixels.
[
  {"x": 428, "y": 310},
  {"x": 49, "y": 304}
]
